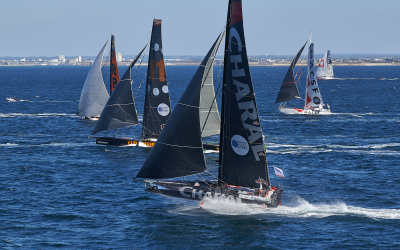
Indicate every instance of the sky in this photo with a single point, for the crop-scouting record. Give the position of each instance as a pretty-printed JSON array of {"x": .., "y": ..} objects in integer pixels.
[{"x": 189, "y": 27}]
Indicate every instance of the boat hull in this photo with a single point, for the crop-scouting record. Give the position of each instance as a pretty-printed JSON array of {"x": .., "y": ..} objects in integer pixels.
[
  {"x": 198, "y": 190},
  {"x": 211, "y": 147},
  {"x": 112, "y": 141},
  {"x": 295, "y": 111}
]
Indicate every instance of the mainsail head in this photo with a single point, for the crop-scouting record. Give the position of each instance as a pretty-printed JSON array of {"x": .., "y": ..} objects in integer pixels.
[
  {"x": 289, "y": 90},
  {"x": 179, "y": 148},
  {"x": 120, "y": 110},
  {"x": 157, "y": 101},
  {"x": 313, "y": 95},
  {"x": 242, "y": 155},
  {"x": 94, "y": 93},
  {"x": 114, "y": 74}
]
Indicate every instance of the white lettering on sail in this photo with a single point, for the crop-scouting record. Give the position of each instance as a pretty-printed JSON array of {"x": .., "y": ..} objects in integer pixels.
[
  {"x": 237, "y": 72},
  {"x": 242, "y": 90},
  {"x": 250, "y": 114}
]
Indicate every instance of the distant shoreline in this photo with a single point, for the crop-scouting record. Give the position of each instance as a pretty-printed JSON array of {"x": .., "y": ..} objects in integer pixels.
[{"x": 250, "y": 64}]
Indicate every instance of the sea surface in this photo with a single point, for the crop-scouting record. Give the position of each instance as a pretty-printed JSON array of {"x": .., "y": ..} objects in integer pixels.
[{"x": 58, "y": 189}]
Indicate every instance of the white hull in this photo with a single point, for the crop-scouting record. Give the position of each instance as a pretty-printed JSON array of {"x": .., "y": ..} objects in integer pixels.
[
  {"x": 326, "y": 77},
  {"x": 94, "y": 118},
  {"x": 295, "y": 111},
  {"x": 10, "y": 99}
]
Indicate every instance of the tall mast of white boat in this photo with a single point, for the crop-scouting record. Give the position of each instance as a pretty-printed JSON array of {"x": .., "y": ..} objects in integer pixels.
[{"x": 308, "y": 74}]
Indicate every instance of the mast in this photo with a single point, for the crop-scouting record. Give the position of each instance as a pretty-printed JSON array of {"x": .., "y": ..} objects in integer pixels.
[
  {"x": 157, "y": 108},
  {"x": 114, "y": 75}
]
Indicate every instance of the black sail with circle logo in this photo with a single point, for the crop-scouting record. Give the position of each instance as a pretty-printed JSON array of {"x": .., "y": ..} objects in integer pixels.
[
  {"x": 157, "y": 107},
  {"x": 242, "y": 158}
]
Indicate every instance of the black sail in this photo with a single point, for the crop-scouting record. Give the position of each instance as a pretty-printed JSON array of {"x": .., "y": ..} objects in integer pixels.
[
  {"x": 289, "y": 90},
  {"x": 242, "y": 155},
  {"x": 179, "y": 148},
  {"x": 157, "y": 102},
  {"x": 120, "y": 110}
]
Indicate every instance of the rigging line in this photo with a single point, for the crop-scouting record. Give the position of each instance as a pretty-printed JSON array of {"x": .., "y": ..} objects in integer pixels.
[
  {"x": 179, "y": 146},
  {"x": 301, "y": 64},
  {"x": 141, "y": 61},
  {"x": 208, "y": 72}
]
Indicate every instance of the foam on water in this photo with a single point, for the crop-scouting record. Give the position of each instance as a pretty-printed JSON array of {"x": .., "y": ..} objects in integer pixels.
[{"x": 300, "y": 208}]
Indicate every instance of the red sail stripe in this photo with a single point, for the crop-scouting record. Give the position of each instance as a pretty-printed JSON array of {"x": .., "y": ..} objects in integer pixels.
[{"x": 236, "y": 12}]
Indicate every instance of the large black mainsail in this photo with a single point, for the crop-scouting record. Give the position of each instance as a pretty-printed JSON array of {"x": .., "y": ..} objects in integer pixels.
[
  {"x": 289, "y": 90},
  {"x": 157, "y": 101},
  {"x": 120, "y": 110},
  {"x": 242, "y": 155},
  {"x": 179, "y": 149}
]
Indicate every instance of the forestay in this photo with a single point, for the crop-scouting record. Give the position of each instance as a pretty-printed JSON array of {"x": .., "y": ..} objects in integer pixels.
[
  {"x": 289, "y": 90},
  {"x": 179, "y": 148},
  {"x": 120, "y": 110}
]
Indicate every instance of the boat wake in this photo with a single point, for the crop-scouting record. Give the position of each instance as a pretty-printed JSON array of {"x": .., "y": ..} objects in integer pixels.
[{"x": 299, "y": 208}]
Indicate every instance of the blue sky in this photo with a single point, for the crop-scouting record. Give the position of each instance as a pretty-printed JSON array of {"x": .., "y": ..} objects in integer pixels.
[{"x": 81, "y": 27}]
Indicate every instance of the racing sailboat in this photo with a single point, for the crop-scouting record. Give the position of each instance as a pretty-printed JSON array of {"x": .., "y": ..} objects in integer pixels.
[
  {"x": 313, "y": 102},
  {"x": 243, "y": 170},
  {"x": 94, "y": 94},
  {"x": 325, "y": 68},
  {"x": 157, "y": 101}
]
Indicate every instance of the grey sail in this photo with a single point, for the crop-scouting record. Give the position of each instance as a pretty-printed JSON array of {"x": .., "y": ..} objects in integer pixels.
[
  {"x": 120, "y": 110},
  {"x": 179, "y": 148},
  {"x": 289, "y": 90},
  {"x": 210, "y": 121},
  {"x": 94, "y": 94}
]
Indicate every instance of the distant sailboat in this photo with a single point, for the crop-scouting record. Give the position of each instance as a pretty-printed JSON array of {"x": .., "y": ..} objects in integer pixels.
[
  {"x": 157, "y": 108},
  {"x": 325, "y": 68},
  {"x": 94, "y": 94},
  {"x": 243, "y": 171},
  {"x": 288, "y": 91}
]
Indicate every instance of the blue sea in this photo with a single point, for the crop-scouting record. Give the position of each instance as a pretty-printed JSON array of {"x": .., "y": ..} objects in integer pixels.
[{"x": 58, "y": 189}]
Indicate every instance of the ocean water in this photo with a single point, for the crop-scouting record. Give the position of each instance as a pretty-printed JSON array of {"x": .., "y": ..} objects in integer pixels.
[{"x": 58, "y": 189}]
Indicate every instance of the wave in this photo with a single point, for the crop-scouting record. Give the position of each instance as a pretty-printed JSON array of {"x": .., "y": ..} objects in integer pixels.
[
  {"x": 371, "y": 149},
  {"x": 299, "y": 208},
  {"x": 7, "y": 115}
]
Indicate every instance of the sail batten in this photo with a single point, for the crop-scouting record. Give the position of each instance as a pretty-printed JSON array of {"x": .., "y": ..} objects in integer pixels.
[
  {"x": 120, "y": 110},
  {"x": 94, "y": 94}
]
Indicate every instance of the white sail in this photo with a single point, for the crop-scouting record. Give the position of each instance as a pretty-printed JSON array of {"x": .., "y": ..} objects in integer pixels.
[
  {"x": 313, "y": 95},
  {"x": 325, "y": 68},
  {"x": 210, "y": 120},
  {"x": 94, "y": 94}
]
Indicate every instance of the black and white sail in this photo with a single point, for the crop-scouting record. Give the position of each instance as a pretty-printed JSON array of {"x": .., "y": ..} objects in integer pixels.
[
  {"x": 94, "y": 93},
  {"x": 289, "y": 90},
  {"x": 120, "y": 110},
  {"x": 242, "y": 155},
  {"x": 157, "y": 101},
  {"x": 179, "y": 148}
]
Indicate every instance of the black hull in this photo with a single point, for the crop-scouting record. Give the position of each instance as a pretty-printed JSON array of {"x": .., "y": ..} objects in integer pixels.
[
  {"x": 199, "y": 190},
  {"x": 211, "y": 147},
  {"x": 116, "y": 141}
]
